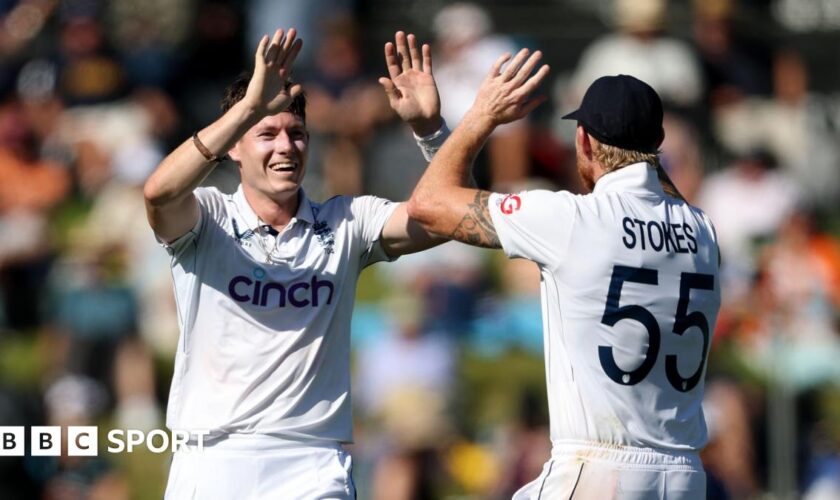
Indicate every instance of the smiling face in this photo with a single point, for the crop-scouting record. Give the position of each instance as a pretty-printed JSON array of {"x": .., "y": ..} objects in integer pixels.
[{"x": 272, "y": 156}]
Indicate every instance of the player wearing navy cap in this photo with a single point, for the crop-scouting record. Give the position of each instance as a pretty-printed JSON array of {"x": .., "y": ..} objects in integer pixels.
[
  {"x": 629, "y": 286},
  {"x": 265, "y": 280}
]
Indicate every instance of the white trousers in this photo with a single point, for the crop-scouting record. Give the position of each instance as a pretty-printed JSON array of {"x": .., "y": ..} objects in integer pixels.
[
  {"x": 249, "y": 468},
  {"x": 581, "y": 471}
]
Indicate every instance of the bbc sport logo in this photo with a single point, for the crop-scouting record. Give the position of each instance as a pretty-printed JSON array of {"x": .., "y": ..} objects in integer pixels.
[{"x": 83, "y": 441}]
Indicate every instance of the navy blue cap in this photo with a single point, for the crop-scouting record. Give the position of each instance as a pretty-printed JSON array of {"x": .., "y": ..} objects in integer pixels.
[{"x": 622, "y": 111}]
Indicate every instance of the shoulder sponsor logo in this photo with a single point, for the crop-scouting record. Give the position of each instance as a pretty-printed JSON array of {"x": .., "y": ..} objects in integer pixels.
[
  {"x": 510, "y": 203},
  {"x": 298, "y": 294}
]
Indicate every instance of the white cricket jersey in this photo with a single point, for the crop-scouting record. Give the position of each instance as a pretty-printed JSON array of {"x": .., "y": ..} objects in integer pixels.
[
  {"x": 265, "y": 320},
  {"x": 630, "y": 296}
]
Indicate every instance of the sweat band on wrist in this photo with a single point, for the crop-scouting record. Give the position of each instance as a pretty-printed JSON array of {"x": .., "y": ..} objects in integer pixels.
[{"x": 430, "y": 144}]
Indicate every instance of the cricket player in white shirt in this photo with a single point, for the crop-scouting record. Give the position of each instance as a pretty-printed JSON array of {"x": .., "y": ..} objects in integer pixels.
[
  {"x": 265, "y": 281},
  {"x": 629, "y": 285}
]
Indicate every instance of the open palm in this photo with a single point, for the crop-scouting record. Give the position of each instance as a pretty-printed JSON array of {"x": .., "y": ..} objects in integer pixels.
[
  {"x": 411, "y": 88},
  {"x": 269, "y": 90},
  {"x": 506, "y": 95}
]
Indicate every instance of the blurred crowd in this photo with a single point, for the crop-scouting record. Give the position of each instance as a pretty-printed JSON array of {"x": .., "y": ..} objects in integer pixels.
[{"x": 448, "y": 376}]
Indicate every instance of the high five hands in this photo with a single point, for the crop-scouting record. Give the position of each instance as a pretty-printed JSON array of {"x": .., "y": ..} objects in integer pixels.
[
  {"x": 269, "y": 91},
  {"x": 411, "y": 88},
  {"x": 505, "y": 96},
  {"x": 412, "y": 93}
]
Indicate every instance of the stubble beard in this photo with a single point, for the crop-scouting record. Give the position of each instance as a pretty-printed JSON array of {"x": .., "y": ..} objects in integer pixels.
[{"x": 585, "y": 173}]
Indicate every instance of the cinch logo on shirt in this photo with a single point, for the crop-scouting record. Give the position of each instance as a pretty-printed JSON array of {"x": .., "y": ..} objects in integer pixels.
[{"x": 273, "y": 294}]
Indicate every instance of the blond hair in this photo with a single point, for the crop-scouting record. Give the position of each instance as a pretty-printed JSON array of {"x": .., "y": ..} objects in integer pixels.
[{"x": 613, "y": 157}]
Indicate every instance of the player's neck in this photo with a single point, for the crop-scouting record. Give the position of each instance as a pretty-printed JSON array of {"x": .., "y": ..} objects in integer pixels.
[
  {"x": 275, "y": 212},
  {"x": 591, "y": 174}
]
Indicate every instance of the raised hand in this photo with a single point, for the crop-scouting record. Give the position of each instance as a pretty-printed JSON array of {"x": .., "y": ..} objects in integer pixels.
[
  {"x": 411, "y": 88},
  {"x": 269, "y": 92},
  {"x": 505, "y": 96}
]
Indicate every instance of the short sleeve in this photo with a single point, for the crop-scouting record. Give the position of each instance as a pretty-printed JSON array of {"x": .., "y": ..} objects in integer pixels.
[
  {"x": 534, "y": 225},
  {"x": 209, "y": 204},
  {"x": 370, "y": 214}
]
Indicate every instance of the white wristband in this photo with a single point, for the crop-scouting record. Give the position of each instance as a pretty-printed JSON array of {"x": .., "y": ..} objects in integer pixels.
[{"x": 430, "y": 144}]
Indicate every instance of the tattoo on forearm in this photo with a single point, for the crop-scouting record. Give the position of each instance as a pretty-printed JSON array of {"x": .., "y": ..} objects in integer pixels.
[{"x": 476, "y": 228}]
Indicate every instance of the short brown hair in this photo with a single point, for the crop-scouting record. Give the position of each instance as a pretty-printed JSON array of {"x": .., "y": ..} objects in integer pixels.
[
  {"x": 613, "y": 157},
  {"x": 236, "y": 91}
]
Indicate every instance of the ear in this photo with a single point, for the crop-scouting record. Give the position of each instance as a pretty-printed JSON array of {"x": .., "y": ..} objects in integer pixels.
[
  {"x": 234, "y": 152},
  {"x": 583, "y": 143}
]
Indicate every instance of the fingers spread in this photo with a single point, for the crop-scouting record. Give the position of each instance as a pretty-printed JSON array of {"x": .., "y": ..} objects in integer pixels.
[
  {"x": 388, "y": 85},
  {"x": 289, "y": 39},
  {"x": 273, "y": 47},
  {"x": 416, "y": 61},
  {"x": 284, "y": 45},
  {"x": 497, "y": 66},
  {"x": 533, "y": 104},
  {"x": 427, "y": 59},
  {"x": 259, "y": 57},
  {"x": 532, "y": 83},
  {"x": 391, "y": 60},
  {"x": 291, "y": 54},
  {"x": 402, "y": 51},
  {"x": 295, "y": 90},
  {"x": 515, "y": 64},
  {"x": 527, "y": 68}
]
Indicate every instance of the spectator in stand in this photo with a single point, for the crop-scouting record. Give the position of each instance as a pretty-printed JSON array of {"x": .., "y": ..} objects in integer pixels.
[
  {"x": 729, "y": 458},
  {"x": 748, "y": 202},
  {"x": 89, "y": 71},
  {"x": 215, "y": 55},
  {"x": 527, "y": 449},
  {"x": 640, "y": 48},
  {"x": 74, "y": 400},
  {"x": 116, "y": 226},
  {"x": 731, "y": 68},
  {"x": 803, "y": 265},
  {"x": 682, "y": 157},
  {"x": 22, "y": 21},
  {"x": 32, "y": 187},
  {"x": 263, "y": 16},
  {"x": 797, "y": 331},
  {"x": 467, "y": 46},
  {"x": 451, "y": 278},
  {"x": 133, "y": 380},
  {"x": 786, "y": 324},
  {"x": 512, "y": 320},
  {"x": 796, "y": 125},
  {"x": 406, "y": 381},
  {"x": 147, "y": 35},
  {"x": 343, "y": 108}
]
